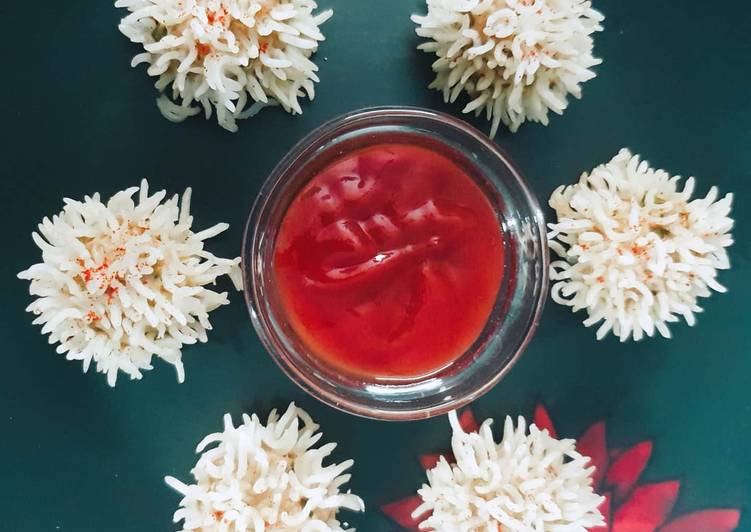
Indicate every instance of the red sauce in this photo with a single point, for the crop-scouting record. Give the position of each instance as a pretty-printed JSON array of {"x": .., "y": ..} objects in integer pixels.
[{"x": 389, "y": 261}]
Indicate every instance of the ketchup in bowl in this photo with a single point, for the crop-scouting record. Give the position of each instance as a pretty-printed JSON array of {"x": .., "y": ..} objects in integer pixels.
[
  {"x": 395, "y": 263},
  {"x": 389, "y": 261}
]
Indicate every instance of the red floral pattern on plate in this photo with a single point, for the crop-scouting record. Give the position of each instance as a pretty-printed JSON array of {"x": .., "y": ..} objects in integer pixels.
[{"x": 628, "y": 506}]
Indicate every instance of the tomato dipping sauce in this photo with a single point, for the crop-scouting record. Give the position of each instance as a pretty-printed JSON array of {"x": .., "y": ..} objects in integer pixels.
[{"x": 389, "y": 260}]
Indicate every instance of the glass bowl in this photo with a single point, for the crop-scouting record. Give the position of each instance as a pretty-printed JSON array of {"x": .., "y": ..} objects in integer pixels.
[{"x": 518, "y": 306}]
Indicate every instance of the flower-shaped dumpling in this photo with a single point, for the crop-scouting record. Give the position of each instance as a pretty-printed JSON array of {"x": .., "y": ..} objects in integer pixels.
[
  {"x": 122, "y": 281},
  {"x": 635, "y": 251},
  {"x": 265, "y": 478},
  {"x": 526, "y": 482},
  {"x": 515, "y": 59},
  {"x": 224, "y": 54}
]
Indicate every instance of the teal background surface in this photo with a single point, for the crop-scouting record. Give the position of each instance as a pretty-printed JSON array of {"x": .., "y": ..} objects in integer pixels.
[{"x": 76, "y": 119}]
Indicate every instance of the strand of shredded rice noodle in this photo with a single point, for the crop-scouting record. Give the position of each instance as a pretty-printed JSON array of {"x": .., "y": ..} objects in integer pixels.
[
  {"x": 636, "y": 252},
  {"x": 230, "y": 56},
  {"x": 265, "y": 478},
  {"x": 123, "y": 281}
]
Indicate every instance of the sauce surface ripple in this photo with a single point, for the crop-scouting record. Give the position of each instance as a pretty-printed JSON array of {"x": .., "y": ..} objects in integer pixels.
[{"x": 389, "y": 261}]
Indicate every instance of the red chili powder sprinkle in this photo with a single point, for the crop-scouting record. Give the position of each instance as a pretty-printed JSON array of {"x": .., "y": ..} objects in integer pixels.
[
  {"x": 92, "y": 316},
  {"x": 88, "y": 273},
  {"x": 601, "y": 279},
  {"x": 203, "y": 49},
  {"x": 218, "y": 515},
  {"x": 211, "y": 16},
  {"x": 111, "y": 291},
  {"x": 85, "y": 272},
  {"x": 264, "y": 47}
]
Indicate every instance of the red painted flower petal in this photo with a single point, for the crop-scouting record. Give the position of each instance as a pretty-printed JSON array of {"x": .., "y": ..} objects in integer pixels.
[
  {"x": 401, "y": 512},
  {"x": 429, "y": 461},
  {"x": 614, "y": 454},
  {"x": 647, "y": 508},
  {"x": 467, "y": 421},
  {"x": 593, "y": 444},
  {"x": 605, "y": 511},
  {"x": 543, "y": 421},
  {"x": 624, "y": 472},
  {"x": 705, "y": 521}
]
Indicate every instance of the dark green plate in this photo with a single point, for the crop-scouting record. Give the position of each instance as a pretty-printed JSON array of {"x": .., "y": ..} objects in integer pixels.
[{"x": 77, "y": 456}]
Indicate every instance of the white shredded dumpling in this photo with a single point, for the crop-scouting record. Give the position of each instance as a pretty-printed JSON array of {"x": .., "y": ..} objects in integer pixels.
[
  {"x": 122, "y": 281},
  {"x": 515, "y": 59},
  {"x": 224, "y": 54},
  {"x": 265, "y": 478},
  {"x": 527, "y": 482},
  {"x": 636, "y": 252}
]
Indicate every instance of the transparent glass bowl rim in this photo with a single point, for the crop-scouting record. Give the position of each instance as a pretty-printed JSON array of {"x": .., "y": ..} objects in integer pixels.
[{"x": 265, "y": 200}]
